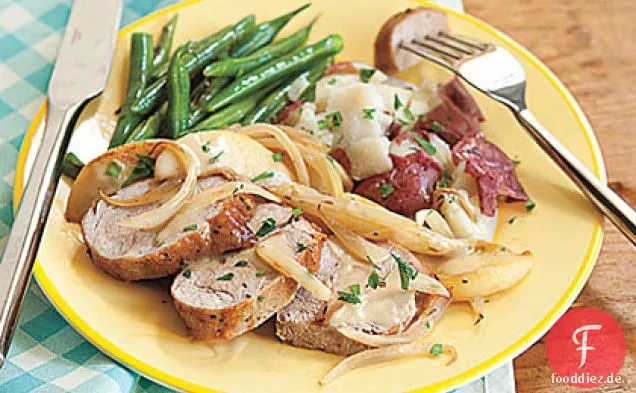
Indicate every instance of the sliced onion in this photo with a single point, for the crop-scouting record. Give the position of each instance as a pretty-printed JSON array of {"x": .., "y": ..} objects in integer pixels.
[
  {"x": 421, "y": 283},
  {"x": 344, "y": 176},
  {"x": 383, "y": 355},
  {"x": 328, "y": 177},
  {"x": 260, "y": 130},
  {"x": 365, "y": 218},
  {"x": 481, "y": 255},
  {"x": 357, "y": 245},
  {"x": 276, "y": 252},
  {"x": 193, "y": 210},
  {"x": 305, "y": 139},
  {"x": 207, "y": 197},
  {"x": 306, "y": 198},
  {"x": 477, "y": 304},
  {"x": 163, "y": 213},
  {"x": 434, "y": 221},
  {"x": 371, "y": 220},
  {"x": 484, "y": 272},
  {"x": 157, "y": 194},
  {"x": 458, "y": 196}
]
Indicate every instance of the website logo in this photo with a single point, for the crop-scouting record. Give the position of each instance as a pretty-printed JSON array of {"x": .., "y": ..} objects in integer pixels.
[{"x": 586, "y": 348}]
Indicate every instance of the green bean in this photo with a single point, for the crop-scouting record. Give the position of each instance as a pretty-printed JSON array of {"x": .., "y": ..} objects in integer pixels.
[
  {"x": 178, "y": 95},
  {"x": 232, "y": 67},
  {"x": 164, "y": 46},
  {"x": 278, "y": 99},
  {"x": 194, "y": 60},
  {"x": 71, "y": 165},
  {"x": 150, "y": 127},
  {"x": 199, "y": 101},
  {"x": 231, "y": 114},
  {"x": 275, "y": 70},
  {"x": 138, "y": 75},
  {"x": 264, "y": 34}
]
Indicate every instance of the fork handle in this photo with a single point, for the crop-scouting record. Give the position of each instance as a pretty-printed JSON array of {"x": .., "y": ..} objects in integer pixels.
[
  {"x": 28, "y": 225},
  {"x": 606, "y": 200}
]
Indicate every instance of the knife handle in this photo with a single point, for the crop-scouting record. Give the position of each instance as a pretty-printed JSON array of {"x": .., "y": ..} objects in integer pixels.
[{"x": 26, "y": 233}]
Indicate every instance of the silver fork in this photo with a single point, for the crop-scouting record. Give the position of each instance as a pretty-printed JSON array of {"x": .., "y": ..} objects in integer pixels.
[{"x": 495, "y": 72}]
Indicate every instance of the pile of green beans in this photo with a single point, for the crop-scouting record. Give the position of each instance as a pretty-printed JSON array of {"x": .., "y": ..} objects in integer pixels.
[{"x": 237, "y": 75}]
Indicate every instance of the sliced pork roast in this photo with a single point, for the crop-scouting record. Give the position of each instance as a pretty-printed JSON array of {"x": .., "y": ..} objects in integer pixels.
[
  {"x": 131, "y": 254},
  {"x": 347, "y": 327},
  {"x": 223, "y": 297}
]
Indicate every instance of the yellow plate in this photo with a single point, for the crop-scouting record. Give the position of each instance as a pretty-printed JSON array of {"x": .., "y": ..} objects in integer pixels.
[{"x": 137, "y": 325}]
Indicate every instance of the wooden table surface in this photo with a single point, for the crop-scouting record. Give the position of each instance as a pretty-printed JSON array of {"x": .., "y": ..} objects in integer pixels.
[{"x": 590, "y": 45}]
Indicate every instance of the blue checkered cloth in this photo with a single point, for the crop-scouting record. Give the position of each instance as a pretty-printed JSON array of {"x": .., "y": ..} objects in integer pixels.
[{"x": 47, "y": 355}]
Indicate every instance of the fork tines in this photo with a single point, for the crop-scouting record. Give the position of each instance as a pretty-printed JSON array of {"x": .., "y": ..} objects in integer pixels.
[{"x": 451, "y": 48}]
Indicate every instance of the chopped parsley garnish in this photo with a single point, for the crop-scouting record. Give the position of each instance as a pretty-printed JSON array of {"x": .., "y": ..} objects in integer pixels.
[
  {"x": 309, "y": 271},
  {"x": 366, "y": 74},
  {"x": 403, "y": 122},
  {"x": 216, "y": 157},
  {"x": 277, "y": 157},
  {"x": 512, "y": 220},
  {"x": 260, "y": 298},
  {"x": 331, "y": 81},
  {"x": 144, "y": 169},
  {"x": 191, "y": 227},
  {"x": 268, "y": 226},
  {"x": 241, "y": 263},
  {"x": 296, "y": 212},
  {"x": 427, "y": 324},
  {"x": 386, "y": 190},
  {"x": 409, "y": 115},
  {"x": 113, "y": 169},
  {"x": 530, "y": 205},
  {"x": 238, "y": 188},
  {"x": 374, "y": 280},
  {"x": 261, "y": 273},
  {"x": 426, "y": 145},
  {"x": 331, "y": 122},
  {"x": 515, "y": 162},
  {"x": 330, "y": 159},
  {"x": 301, "y": 247},
  {"x": 350, "y": 297},
  {"x": 226, "y": 277},
  {"x": 435, "y": 126},
  {"x": 368, "y": 113},
  {"x": 436, "y": 349},
  {"x": 444, "y": 181},
  {"x": 407, "y": 273},
  {"x": 206, "y": 147},
  {"x": 187, "y": 273},
  {"x": 397, "y": 104},
  {"x": 262, "y": 176}
]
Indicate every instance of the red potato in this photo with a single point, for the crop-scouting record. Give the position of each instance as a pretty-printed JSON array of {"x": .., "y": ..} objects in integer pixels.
[{"x": 409, "y": 186}]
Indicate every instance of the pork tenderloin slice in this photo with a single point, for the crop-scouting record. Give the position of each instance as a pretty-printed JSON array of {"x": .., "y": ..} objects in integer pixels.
[
  {"x": 302, "y": 323},
  {"x": 224, "y": 297}
]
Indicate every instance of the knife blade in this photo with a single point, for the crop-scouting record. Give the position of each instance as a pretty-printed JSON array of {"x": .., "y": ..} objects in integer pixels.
[{"x": 80, "y": 73}]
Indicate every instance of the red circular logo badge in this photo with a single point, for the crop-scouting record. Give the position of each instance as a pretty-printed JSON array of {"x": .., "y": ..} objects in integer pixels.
[{"x": 586, "y": 348}]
